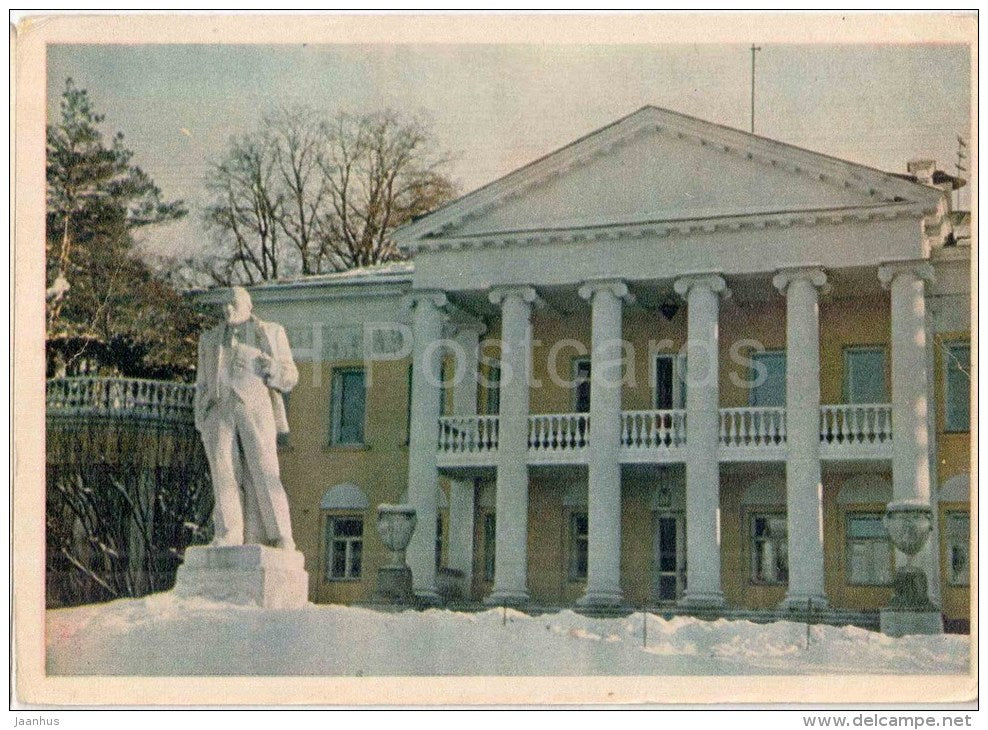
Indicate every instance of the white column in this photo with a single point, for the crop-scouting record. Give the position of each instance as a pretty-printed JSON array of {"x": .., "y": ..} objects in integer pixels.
[
  {"x": 461, "y": 491},
  {"x": 423, "y": 475},
  {"x": 910, "y": 421},
  {"x": 604, "y": 468},
  {"x": 702, "y": 293},
  {"x": 511, "y": 493},
  {"x": 804, "y": 485}
]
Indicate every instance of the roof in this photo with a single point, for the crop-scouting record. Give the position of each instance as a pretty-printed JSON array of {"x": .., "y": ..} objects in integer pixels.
[
  {"x": 878, "y": 188},
  {"x": 390, "y": 272}
]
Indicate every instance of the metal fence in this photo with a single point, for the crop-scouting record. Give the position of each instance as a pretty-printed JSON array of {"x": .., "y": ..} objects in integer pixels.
[{"x": 127, "y": 487}]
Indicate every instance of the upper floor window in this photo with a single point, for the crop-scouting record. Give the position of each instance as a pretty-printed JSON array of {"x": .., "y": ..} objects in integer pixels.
[
  {"x": 581, "y": 385},
  {"x": 958, "y": 531},
  {"x": 349, "y": 406},
  {"x": 957, "y": 386},
  {"x": 768, "y": 386},
  {"x": 864, "y": 375},
  {"x": 492, "y": 398},
  {"x": 670, "y": 382},
  {"x": 869, "y": 551}
]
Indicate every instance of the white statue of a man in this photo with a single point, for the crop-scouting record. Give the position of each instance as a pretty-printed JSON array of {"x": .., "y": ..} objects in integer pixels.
[{"x": 245, "y": 365}]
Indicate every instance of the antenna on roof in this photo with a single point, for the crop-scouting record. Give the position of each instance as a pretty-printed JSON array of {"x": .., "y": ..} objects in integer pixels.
[{"x": 754, "y": 49}]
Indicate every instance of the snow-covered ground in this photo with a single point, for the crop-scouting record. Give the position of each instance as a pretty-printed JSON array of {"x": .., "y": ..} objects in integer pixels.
[{"x": 164, "y": 635}]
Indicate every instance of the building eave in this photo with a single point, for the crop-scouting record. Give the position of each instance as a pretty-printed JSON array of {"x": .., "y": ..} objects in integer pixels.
[{"x": 676, "y": 227}]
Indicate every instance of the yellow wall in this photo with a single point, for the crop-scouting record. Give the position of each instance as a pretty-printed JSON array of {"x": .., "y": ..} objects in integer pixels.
[
  {"x": 956, "y": 599},
  {"x": 310, "y": 466}
]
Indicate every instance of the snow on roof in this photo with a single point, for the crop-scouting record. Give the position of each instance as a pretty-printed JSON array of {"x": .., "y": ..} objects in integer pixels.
[{"x": 378, "y": 273}]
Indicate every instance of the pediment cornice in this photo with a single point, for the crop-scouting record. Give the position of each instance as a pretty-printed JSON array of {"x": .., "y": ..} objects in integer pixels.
[
  {"x": 885, "y": 190},
  {"x": 677, "y": 227}
]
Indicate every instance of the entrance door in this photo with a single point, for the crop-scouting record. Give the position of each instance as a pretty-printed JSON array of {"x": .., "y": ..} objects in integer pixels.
[{"x": 668, "y": 557}]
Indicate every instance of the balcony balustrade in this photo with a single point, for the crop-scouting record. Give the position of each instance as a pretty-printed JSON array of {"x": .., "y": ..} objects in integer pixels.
[{"x": 851, "y": 431}]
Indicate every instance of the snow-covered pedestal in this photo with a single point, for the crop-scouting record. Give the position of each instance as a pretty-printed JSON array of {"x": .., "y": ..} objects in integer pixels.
[{"x": 244, "y": 574}]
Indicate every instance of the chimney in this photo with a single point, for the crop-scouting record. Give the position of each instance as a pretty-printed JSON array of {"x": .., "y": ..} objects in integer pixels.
[{"x": 922, "y": 170}]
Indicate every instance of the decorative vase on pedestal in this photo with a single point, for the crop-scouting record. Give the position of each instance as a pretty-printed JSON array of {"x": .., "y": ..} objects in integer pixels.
[
  {"x": 395, "y": 524},
  {"x": 910, "y": 611}
]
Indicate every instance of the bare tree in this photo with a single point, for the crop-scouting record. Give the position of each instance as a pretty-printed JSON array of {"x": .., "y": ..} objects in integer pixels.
[
  {"x": 382, "y": 171},
  {"x": 304, "y": 196}
]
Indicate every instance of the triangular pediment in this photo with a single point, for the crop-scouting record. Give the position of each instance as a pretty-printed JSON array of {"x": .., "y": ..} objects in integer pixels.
[{"x": 656, "y": 165}]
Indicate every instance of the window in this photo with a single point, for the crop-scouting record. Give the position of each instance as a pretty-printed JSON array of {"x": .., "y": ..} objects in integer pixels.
[
  {"x": 769, "y": 390},
  {"x": 864, "y": 375},
  {"x": 349, "y": 398},
  {"x": 670, "y": 382},
  {"x": 581, "y": 385},
  {"x": 869, "y": 551},
  {"x": 957, "y": 386},
  {"x": 492, "y": 402},
  {"x": 489, "y": 545},
  {"x": 578, "y": 546},
  {"x": 439, "y": 541},
  {"x": 958, "y": 548},
  {"x": 344, "y": 547},
  {"x": 769, "y": 549}
]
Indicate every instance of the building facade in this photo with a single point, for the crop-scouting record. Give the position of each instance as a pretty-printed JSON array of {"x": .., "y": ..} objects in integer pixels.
[{"x": 671, "y": 364}]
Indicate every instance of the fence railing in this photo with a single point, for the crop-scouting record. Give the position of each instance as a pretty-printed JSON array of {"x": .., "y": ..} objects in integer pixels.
[
  {"x": 756, "y": 426},
  {"x": 558, "y": 432},
  {"x": 468, "y": 434},
  {"x": 127, "y": 397},
  {"x": 856, "y": 423},
  {"x": 653, "y": 429}
]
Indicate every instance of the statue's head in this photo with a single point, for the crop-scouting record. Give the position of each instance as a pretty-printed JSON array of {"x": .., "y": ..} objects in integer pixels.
[{"x": 238, "y": 305}]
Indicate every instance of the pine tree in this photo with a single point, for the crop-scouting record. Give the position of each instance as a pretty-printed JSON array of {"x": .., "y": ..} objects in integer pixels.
[{"x": 105, "y": 310}]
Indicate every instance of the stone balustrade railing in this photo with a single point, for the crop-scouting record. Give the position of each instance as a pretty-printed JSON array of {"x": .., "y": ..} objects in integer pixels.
[
  {"x": 468, "y": 434},
  {"x": 856, "y": 423},
  {"x": 754, "y": 426},
  {"x": 653, "y": 429},
  {"x": 120, "y": 397},
  {"x": 558, "y": 432}
]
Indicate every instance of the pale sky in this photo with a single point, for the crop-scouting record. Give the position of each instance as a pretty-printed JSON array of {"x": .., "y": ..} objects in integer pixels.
[{"x": 497, "y": 107}]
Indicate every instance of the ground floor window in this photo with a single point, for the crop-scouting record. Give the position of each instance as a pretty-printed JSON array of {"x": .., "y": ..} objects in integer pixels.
[
  {"x": 439, "y": 541},
  {"x": 959, "y": 548},
  {"x": 344, "y": 546},
  {"x": 489, "y": 546},
  {"x": 579, "y": 546},
  {"x": 869, "y": 551},
  {"x": 769, "y": 549}
]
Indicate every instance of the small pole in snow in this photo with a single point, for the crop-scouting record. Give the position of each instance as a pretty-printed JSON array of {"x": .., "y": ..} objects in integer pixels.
[
  {"x": 809, "y": 616},
  {"x": 504, "y": 615},
  {"x": 644, "y": 629}
]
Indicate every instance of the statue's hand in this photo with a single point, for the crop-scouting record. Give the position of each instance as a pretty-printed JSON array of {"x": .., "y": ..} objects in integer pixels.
[{"x": 266, "y": 367}]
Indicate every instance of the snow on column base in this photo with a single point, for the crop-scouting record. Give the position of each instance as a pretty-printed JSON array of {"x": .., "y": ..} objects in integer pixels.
[
  {"x": 903, "y": 622},
  {"x": 507, "y": 598},
  {"x": 702, "y": 600},
  {"x": 601, "y": 599},
  {"x": 245, "y": 575},
  {"x": 427, "y": 597},
  {"x": 804, "y": 603}
]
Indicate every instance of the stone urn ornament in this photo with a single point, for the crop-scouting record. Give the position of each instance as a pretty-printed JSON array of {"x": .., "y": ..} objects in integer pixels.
[
  {"x": 909, "y": 524},
  {"x": 395, "y": 525}
]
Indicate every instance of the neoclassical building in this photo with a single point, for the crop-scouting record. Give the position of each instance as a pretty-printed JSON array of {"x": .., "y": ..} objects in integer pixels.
[{"x": 671, "y": 364}]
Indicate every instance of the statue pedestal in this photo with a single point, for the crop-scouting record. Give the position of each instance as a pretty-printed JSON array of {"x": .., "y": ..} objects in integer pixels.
[
  {"x": 904, "y": 622},
  {"x": 245, "y": 575},
  {"x": 394, "y": 586}
]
